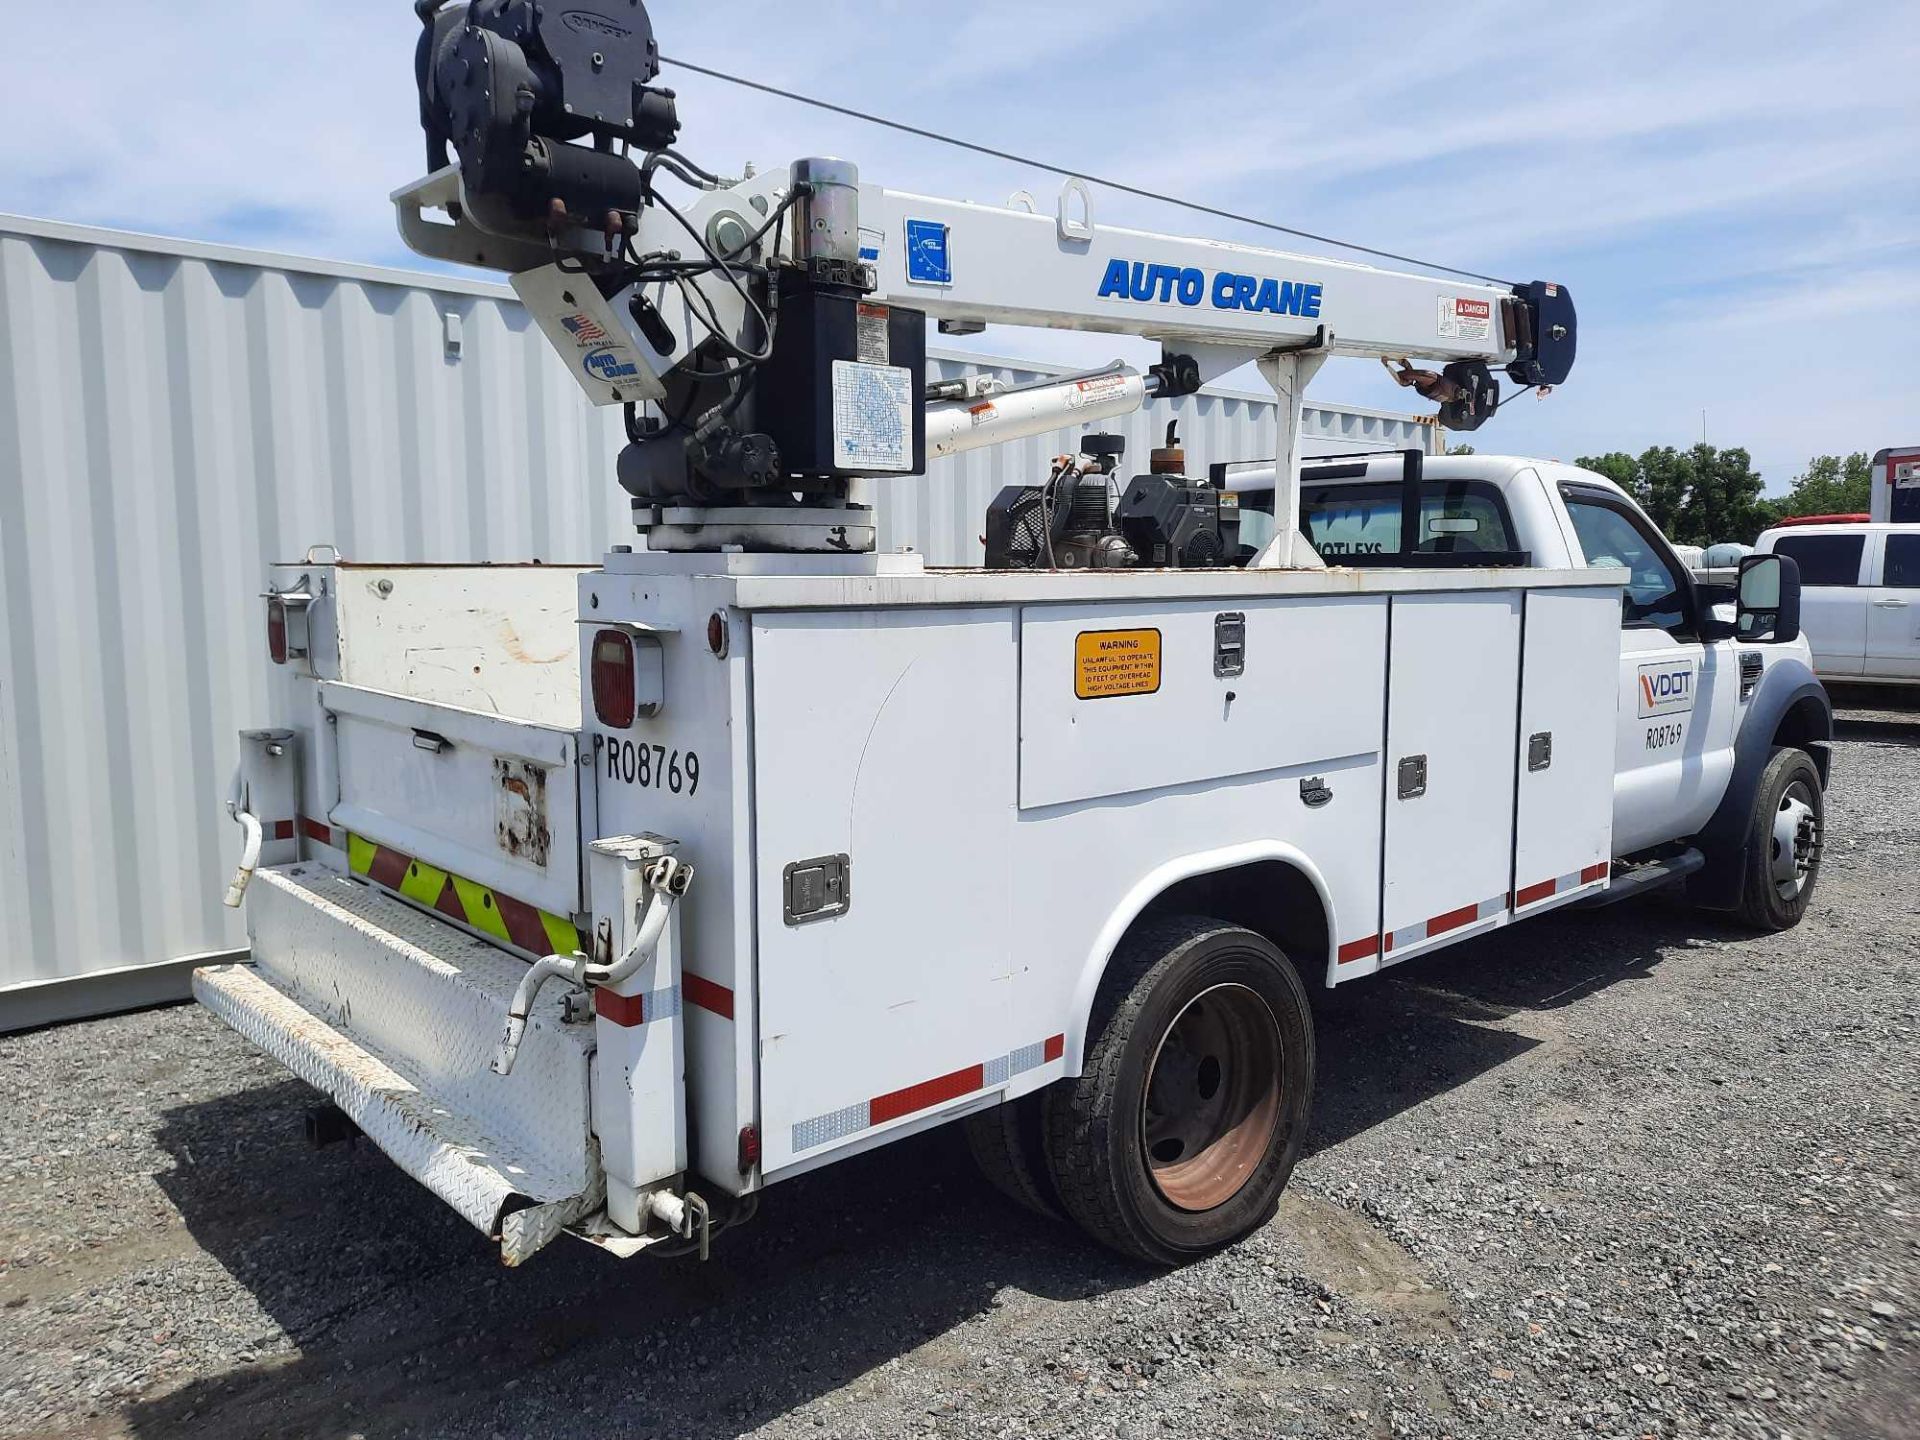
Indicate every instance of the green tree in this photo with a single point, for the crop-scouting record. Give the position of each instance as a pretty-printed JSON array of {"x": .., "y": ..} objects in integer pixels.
[
  {"x": 1829, "y": 486},
  {"x": 1617, "y": 466},
  {"x": 1697, "y": 496}
]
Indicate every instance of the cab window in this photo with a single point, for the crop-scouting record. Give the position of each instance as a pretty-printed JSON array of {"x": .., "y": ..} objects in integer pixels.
[
  {"x": 1824, "y": 559},
  {"x": 1903, "y": 562},
  {"x": 1612, "y": 535}
]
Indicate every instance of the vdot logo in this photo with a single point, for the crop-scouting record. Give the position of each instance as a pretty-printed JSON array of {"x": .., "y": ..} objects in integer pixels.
[{"x": 1666, "y": 688}]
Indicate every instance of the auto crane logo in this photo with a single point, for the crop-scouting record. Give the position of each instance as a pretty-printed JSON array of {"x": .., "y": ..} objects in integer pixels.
[
  {"x": 1224, "y": 290},
  {"x": 607, "y": 365}
]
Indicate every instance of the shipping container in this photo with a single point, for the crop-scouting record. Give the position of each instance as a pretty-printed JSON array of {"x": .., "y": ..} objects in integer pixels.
[{"x": 174, "y": 416}]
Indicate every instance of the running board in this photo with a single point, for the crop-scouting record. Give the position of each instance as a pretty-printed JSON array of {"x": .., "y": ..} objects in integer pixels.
[{"x": 1654, "y": 875}]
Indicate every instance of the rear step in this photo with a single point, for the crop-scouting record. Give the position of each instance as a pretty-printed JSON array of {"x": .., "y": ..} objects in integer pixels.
[
  {"x": 394, "y": 1015},
  {"x": 1653, "y": 875}
]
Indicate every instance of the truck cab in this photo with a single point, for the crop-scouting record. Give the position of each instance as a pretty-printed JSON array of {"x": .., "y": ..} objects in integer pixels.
[{"x": 1699, "y": 709}]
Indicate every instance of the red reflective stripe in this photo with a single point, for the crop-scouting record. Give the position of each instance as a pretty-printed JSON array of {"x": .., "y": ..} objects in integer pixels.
[
  {"x": 1452, "y": 920},
  {"x": 1595, "y": 872},
  {"x": 620, "y": 1009},
  {"x": 892, "y": 1106},
  {"x": 1527, "y": 894},
  {"x": 522, "y": 922},
  {"x": 388, "y": 867},
  {"x": 448, "y": 903},
  {"x": 1359, "y": 949},
  {"x": 1054, "y": 1047},
  {"x": 698, "y": 990},
  {"x": 283, "y": 829},
  {"x": 316, "y": 831}
]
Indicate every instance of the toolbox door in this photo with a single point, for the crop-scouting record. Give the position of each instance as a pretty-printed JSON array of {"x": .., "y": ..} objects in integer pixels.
[
  {"x": 492, "y": 801},
  {"x": 1452, "y": 694},
  {"x": 1563, "y": 821},
  {"x": 884, "y": 747}
]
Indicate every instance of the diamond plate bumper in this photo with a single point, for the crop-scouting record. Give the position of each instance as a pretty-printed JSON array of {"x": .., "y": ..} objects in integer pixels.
[{"x": 395, "y": 1015}]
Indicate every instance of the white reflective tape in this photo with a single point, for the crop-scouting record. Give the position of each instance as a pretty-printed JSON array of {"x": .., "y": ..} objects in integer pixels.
[{"x": 836, "y": 1125}]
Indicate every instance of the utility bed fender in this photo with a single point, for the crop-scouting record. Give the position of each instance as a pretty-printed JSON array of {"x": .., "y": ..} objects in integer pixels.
[
  {"x": 1156, "y": 883},
  {"x": 1786, "y": 686}
]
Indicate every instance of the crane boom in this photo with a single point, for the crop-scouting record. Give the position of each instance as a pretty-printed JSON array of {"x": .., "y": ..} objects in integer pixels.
[{"x": 766, "y": 334}]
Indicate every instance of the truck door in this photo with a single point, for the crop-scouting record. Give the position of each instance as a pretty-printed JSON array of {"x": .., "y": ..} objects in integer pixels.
[
  {"x": 1833, "y": 609},
  {"x": 1893, "y": 610},
  {"x": 1674, "y": 726}
]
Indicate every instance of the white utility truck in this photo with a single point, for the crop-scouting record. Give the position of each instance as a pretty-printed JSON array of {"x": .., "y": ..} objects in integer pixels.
[{"x": 603, "y": 898}]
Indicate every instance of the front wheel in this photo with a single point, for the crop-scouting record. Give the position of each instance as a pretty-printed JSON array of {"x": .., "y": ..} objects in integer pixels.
[
  {"x": 1785, "y": 831},
  {"x": 1187, "y": 1117}
]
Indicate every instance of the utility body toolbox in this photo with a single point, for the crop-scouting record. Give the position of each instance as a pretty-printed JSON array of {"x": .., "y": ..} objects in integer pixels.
[{"x": 923, "y": 807}]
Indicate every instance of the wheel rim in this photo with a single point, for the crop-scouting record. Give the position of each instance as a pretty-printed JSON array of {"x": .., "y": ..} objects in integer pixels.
[
  {"x": 1795, "y": 841},
  {"x": 1212, "y": 1098}
]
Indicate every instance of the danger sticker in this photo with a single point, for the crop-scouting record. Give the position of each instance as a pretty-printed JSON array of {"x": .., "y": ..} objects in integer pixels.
[
  {"x": 1095, "y": 389},
  {"x": 1465, "y": 319},
  {"x": 872, "y": 338},
  {"x": 1116, "y": 662}
]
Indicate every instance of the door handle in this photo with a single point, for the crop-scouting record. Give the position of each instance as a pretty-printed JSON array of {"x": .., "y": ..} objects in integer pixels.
[{"x": 1892, "y": 602}]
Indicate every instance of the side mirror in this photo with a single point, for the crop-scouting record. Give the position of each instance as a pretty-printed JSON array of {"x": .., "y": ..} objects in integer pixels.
[{"x": 1768, "y": 607}]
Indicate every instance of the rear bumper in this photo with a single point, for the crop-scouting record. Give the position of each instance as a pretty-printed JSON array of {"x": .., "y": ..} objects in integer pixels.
[{"x": 395, "y": 1015}]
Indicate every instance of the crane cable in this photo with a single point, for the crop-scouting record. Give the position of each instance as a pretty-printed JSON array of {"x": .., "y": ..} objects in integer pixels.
[{"x": 1061, "y": 170}]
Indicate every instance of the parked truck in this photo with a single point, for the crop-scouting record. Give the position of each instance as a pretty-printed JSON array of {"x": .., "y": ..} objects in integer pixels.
[{"x": 602, "y": 898}]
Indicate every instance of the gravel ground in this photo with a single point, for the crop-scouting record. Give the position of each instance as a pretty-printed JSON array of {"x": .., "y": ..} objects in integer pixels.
[{"x": 1626, "y": 1173}]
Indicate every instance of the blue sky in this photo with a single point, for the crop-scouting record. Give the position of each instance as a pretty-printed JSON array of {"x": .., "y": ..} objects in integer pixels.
[{"x": 1732, "y": 191}]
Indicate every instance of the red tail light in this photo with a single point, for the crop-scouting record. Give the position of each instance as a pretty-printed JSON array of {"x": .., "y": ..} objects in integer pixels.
[
  {"x": 749, "y": 1148},
  {"x": 277, "y": 631},
  {"x": 611, "y": 669}
]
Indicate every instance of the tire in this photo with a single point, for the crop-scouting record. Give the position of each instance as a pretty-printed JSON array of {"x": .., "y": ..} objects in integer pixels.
[
  {"x": 1184, "y": 1124},
  {"x": 1785, "y": 833},
  {"x": 1007, "y": 1145}
]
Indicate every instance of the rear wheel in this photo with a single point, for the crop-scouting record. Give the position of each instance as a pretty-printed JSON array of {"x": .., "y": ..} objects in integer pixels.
[
  {"x": 1784, "y": 838},
  {"x": 1008, "y": 1147},
  {"x": 1186, "y": 1120}
]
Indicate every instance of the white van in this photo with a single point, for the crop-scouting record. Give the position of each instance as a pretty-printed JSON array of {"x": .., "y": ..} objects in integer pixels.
[{"x": 1860, "y": 597}]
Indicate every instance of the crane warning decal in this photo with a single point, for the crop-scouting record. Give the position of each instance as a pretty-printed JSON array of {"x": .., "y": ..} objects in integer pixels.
[
  {"x": 1465, "y": 319},
  {"x": 1116, "y": 662},
  {"x": 1666, "y": 688}
]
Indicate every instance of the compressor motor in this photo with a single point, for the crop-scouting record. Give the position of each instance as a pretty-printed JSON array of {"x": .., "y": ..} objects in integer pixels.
[{"x": 1163, "y": 519}]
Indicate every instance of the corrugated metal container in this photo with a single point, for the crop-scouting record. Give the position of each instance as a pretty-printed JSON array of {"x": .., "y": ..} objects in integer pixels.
[{"x": 175, "y": 415}]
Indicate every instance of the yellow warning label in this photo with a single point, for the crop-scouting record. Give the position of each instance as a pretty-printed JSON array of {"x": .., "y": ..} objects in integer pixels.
[{"x": 1116, "y": 662}]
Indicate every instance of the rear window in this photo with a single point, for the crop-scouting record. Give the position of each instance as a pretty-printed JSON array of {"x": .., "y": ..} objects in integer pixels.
[
  {"x": 1364, "y": 519},
  {"x": 1349, "y": 518},
  {"x": 1903, "y": 562},
  {"x": 1823, "y": 559}
]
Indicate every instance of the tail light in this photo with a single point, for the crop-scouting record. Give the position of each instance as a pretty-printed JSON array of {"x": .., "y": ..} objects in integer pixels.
[
  {"x": 277, "y": 629},
  {"x": 612, "y": 671},
  {"x": 749, "y": 1148}
]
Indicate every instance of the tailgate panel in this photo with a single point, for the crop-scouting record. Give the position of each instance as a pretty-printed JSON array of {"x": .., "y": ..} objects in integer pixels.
[{"x": 491, "y": 799}]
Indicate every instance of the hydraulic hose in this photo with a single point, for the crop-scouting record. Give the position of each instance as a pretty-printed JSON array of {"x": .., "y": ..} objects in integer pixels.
[
  {"x": 667, "y": 879},
  {"x": 250, "y": 845}
]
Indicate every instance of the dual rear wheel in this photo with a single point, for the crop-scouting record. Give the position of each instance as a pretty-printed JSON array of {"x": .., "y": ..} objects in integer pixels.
[{"x": 1184, "y": 1124}]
